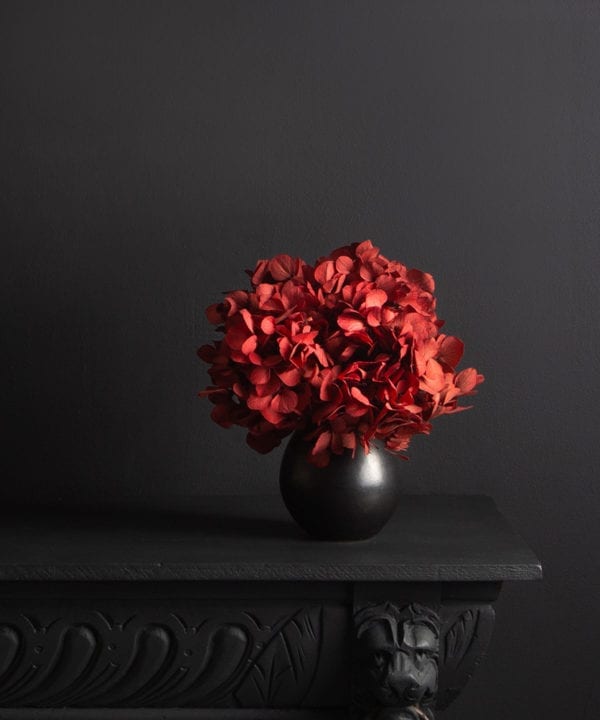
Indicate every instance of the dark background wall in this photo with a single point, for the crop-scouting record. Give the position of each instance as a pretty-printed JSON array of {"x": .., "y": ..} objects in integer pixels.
[{"x": 150, "y": 151}]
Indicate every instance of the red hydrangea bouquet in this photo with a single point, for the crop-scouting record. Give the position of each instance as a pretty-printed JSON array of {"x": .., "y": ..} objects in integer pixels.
[{"x": 347, "y": 351}]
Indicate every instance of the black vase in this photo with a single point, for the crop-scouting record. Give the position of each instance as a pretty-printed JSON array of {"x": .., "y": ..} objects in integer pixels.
[{"x": 350, "y": 499}]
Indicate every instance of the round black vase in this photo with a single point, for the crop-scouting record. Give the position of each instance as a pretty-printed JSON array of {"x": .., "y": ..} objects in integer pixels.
[{"x": 350, "y": 499}]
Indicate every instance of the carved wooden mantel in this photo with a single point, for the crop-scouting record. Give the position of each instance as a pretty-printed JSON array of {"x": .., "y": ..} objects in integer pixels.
[{"x": 223, "y": 608}]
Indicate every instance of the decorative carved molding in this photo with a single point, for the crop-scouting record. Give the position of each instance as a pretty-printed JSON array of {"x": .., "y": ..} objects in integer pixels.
[
  {"x": 397, "y": 654},
  {"x": 409, "y": 658},
  {"x": 227, "y": 658},
  {"x": 467, "y": 631}
]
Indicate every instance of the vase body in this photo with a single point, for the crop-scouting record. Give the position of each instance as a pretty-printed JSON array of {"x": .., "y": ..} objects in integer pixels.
[{"x": 349, "y": 499}]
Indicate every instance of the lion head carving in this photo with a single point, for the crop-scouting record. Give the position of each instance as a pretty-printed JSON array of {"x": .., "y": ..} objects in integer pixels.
[{"x": 397, "y": 653}]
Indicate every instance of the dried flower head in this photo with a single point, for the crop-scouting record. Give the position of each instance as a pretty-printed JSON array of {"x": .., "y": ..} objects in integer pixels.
[{"x": 348, "y": 350}]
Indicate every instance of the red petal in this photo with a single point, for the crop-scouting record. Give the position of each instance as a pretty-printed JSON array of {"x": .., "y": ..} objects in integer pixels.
[
  {"x": 365, "y": 272},
  {"x": 328, "y": 390},
  {"x": 256, "y": 359},
  {"x": 260, "y": 376},
  {"x": 285, "y": 347},
  {"x": 282, "y": 267},
  {"x": 357, "y": 394},
  {"x": 290, "y": 377},
  {"x": 388, "y": 315},
  {"x": 268, "y": 388},
  {"x": 433, "y": 381},
  {"x": 363, "y": 337},
  {"x": 247, "y": 319},
  {"x": 376, "y": 298},
  {"x": 421, "y": 279},
  {"x": 336, "y": 443},
  {"x": 255, "y": 402},
  {"x": 259, "y": 272},
  {"x": 285, "y": 402},
  {"x": 239, "y": 389},
  {"x": 350, "y": 321},
  {"x": 267, "y": 325},
  {"x": 264, "y": 291},
  {"x": 236, "y": 336},
  {"x": 324, "y": 271},
  {"x": 349, "y": 441},
  {"x": 236, "y": 300},
  {"x": 272, "y": 416},
  {"x": 467, "y": 379},
  {"x": 270, "y": 361},
  {"x": 322, "y": 443},
  {"x": 374, "y": 317},
  {"x": 321, "y": 355},
  {"x": 355, "y": 409},
  {"x": 305, "y": 337},
  {"x": 366, "y": 248},
  {"x": 451, "y": 351},
  {"x": 344, "y": 264},
  {"x": 249, "y": 345}
]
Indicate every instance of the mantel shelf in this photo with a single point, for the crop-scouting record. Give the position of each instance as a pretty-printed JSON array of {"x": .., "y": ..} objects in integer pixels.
[{"x": 431, "y": 538}]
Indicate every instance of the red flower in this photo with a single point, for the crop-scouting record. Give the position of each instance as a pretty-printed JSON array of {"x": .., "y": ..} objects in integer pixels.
[{"x": 348, "y": 350}]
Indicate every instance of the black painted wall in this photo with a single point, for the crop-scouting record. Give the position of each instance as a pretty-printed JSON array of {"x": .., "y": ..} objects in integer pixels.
[{"x": 150, "y": 151}]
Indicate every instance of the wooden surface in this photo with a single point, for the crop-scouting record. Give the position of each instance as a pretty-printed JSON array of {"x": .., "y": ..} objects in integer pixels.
[{"x": 430, "y": 538}]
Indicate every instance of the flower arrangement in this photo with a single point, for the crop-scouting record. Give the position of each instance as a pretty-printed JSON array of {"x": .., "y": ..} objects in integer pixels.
[{"x": 347, "y": 350}]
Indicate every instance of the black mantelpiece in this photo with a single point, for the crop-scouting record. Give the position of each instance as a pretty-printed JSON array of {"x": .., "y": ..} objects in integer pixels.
[{"x": 227, "y": 606}]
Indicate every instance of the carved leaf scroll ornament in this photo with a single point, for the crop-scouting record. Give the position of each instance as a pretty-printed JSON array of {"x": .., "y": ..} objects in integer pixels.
[
  {"x": 227, "y": 659},
  {"x": 466, "y": 636}
]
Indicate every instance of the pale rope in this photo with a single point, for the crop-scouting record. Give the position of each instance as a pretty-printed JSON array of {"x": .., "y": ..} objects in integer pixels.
[{"x": 418, "y": 712}]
